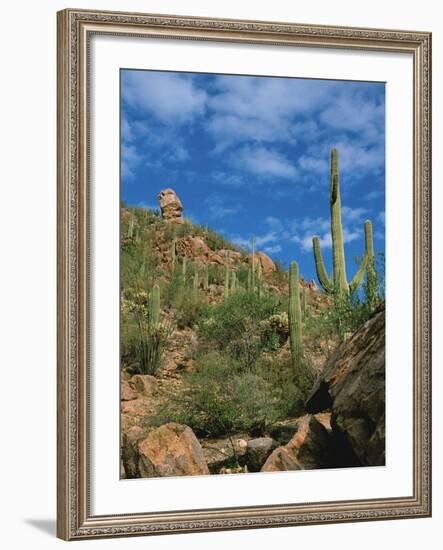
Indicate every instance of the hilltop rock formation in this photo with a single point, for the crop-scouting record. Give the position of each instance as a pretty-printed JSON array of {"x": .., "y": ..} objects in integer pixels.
[
  {"x": 170, "y": 206},
  {"x": 262, "y": 259},
  {"x": 352, "y": 385}
]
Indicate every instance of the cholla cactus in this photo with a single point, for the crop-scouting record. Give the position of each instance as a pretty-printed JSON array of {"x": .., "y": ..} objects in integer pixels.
[
  {"x": 339, "y": 280},
  {"x": 279, "y": 323}
]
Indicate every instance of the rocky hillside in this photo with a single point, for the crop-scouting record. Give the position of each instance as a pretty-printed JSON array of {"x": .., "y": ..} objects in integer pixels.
[{"x": 209, "y": 384}]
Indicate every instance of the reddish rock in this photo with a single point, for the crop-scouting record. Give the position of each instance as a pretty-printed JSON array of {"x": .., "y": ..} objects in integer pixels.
[
  {"x": 196, "y": 249},
  {"x": 307, "y": 450},
  {"x": 130, "y": 454},
  {"x": 229, "y": 256},
  {"x": 143, "y": 383},
  {"x": 126, "y": 392},
  {"x": 171, "y": 450},
  {"x": 170, "y": 206},
  {"x": 267, "y": 265}
]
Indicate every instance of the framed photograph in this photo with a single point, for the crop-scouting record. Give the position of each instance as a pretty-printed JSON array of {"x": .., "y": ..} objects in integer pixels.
[{"x": 244, "y": 296}]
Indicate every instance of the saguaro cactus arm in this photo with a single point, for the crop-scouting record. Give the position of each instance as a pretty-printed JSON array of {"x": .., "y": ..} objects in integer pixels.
[
  {"x": 367, "y": 259},
  {"x": 320, "y": 267}
]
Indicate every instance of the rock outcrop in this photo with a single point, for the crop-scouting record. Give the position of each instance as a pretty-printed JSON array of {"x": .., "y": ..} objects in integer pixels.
[
  {"x": 196, "y": 249},
  {"x": 170, "y": 206},
  {"x": 143, "y": 383},
  {"x": 265, "y": 262},
  {"x": 308, "y": 449},
  {"x": 171, "y": 450},
  {"x": 126, "y": 392},
  {"x": 352, "y": 385}
]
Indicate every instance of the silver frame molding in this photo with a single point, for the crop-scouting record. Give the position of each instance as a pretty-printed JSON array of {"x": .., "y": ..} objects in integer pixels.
[{"x": 75, "y": 27}]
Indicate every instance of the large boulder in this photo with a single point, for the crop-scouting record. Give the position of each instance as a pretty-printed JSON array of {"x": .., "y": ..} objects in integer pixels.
[
  {"x": 130, "y": 454},
  {"x": 143, "y": 383},
  {"x": 265, "y": 262},
  {"x": 308, "y": 449},
  {"x": 126, "y": 392},
  {"x": 257, "y": 451},
  {"x": 224, "y": 452},
  {"x": 352, "y": 385},
  {"x": 171, "y": 450},
  {"x": 170, "y": 206}
]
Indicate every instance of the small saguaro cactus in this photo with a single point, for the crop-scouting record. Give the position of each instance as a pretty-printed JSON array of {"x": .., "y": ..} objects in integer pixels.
[
  {"x": 233, "y": 282},
  {"x": 226, "y": 286},
  {"x": 294, "y": 314},
  {"x": 206, "y": 277},
  {"x": 131, "y": 224},
  {"x": 253, "y": 264},
  {"x": 173, "y": 252},
  {"x": 303, "y": 300},
  {"x": 184, "y": 262},
  {"x": 339, "y": 280},
  {"x": 154, "y": 305},
  {"x": 195, "y": 281}
]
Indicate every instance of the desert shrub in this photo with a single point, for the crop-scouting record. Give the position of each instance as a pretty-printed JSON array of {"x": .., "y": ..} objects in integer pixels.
[
  {"x": 233, "y": 326},
  {"x": 219, "y": 398},
  {"x": 143, "y": 340},
  {"x": 189, "y": 306}
]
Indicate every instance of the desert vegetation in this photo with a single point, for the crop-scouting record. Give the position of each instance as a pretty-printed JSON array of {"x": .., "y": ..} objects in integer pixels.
[{"x": 225, "y": 341}]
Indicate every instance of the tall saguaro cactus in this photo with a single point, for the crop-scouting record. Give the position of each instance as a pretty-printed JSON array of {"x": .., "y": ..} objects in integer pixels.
[
  {"x": 339, "y": 280},
  {"x": 294, "y": 314}
]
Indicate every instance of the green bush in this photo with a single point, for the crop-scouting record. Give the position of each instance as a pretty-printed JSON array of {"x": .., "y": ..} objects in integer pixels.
[
  {"x": 219, "y": 398},
  {"x": 233, "y": 326},
  {"x": 189, "y": 306}
]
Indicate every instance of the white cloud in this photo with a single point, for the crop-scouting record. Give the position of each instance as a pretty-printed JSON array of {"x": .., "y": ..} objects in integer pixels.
[
  {"x": 218, "y": 209},
  {"x": 169, "y": 97},
  {"x": 263, "y": 162},
  {"x": 382, "y": 217},
  {"x": 304, "y": 230},
  {"x": 273, "y": 249},
  {"x": 225, "y": 178},
  {"x": 130, "y": 159},
  {"x": 373, "y": 195}
]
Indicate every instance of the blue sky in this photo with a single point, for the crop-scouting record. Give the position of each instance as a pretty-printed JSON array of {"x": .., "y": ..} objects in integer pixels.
[{"x": 249, "y": 156}]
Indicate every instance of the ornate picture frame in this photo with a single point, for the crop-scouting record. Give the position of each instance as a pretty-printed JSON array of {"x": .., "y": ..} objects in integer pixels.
[{"x": 75, "y": 29}]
